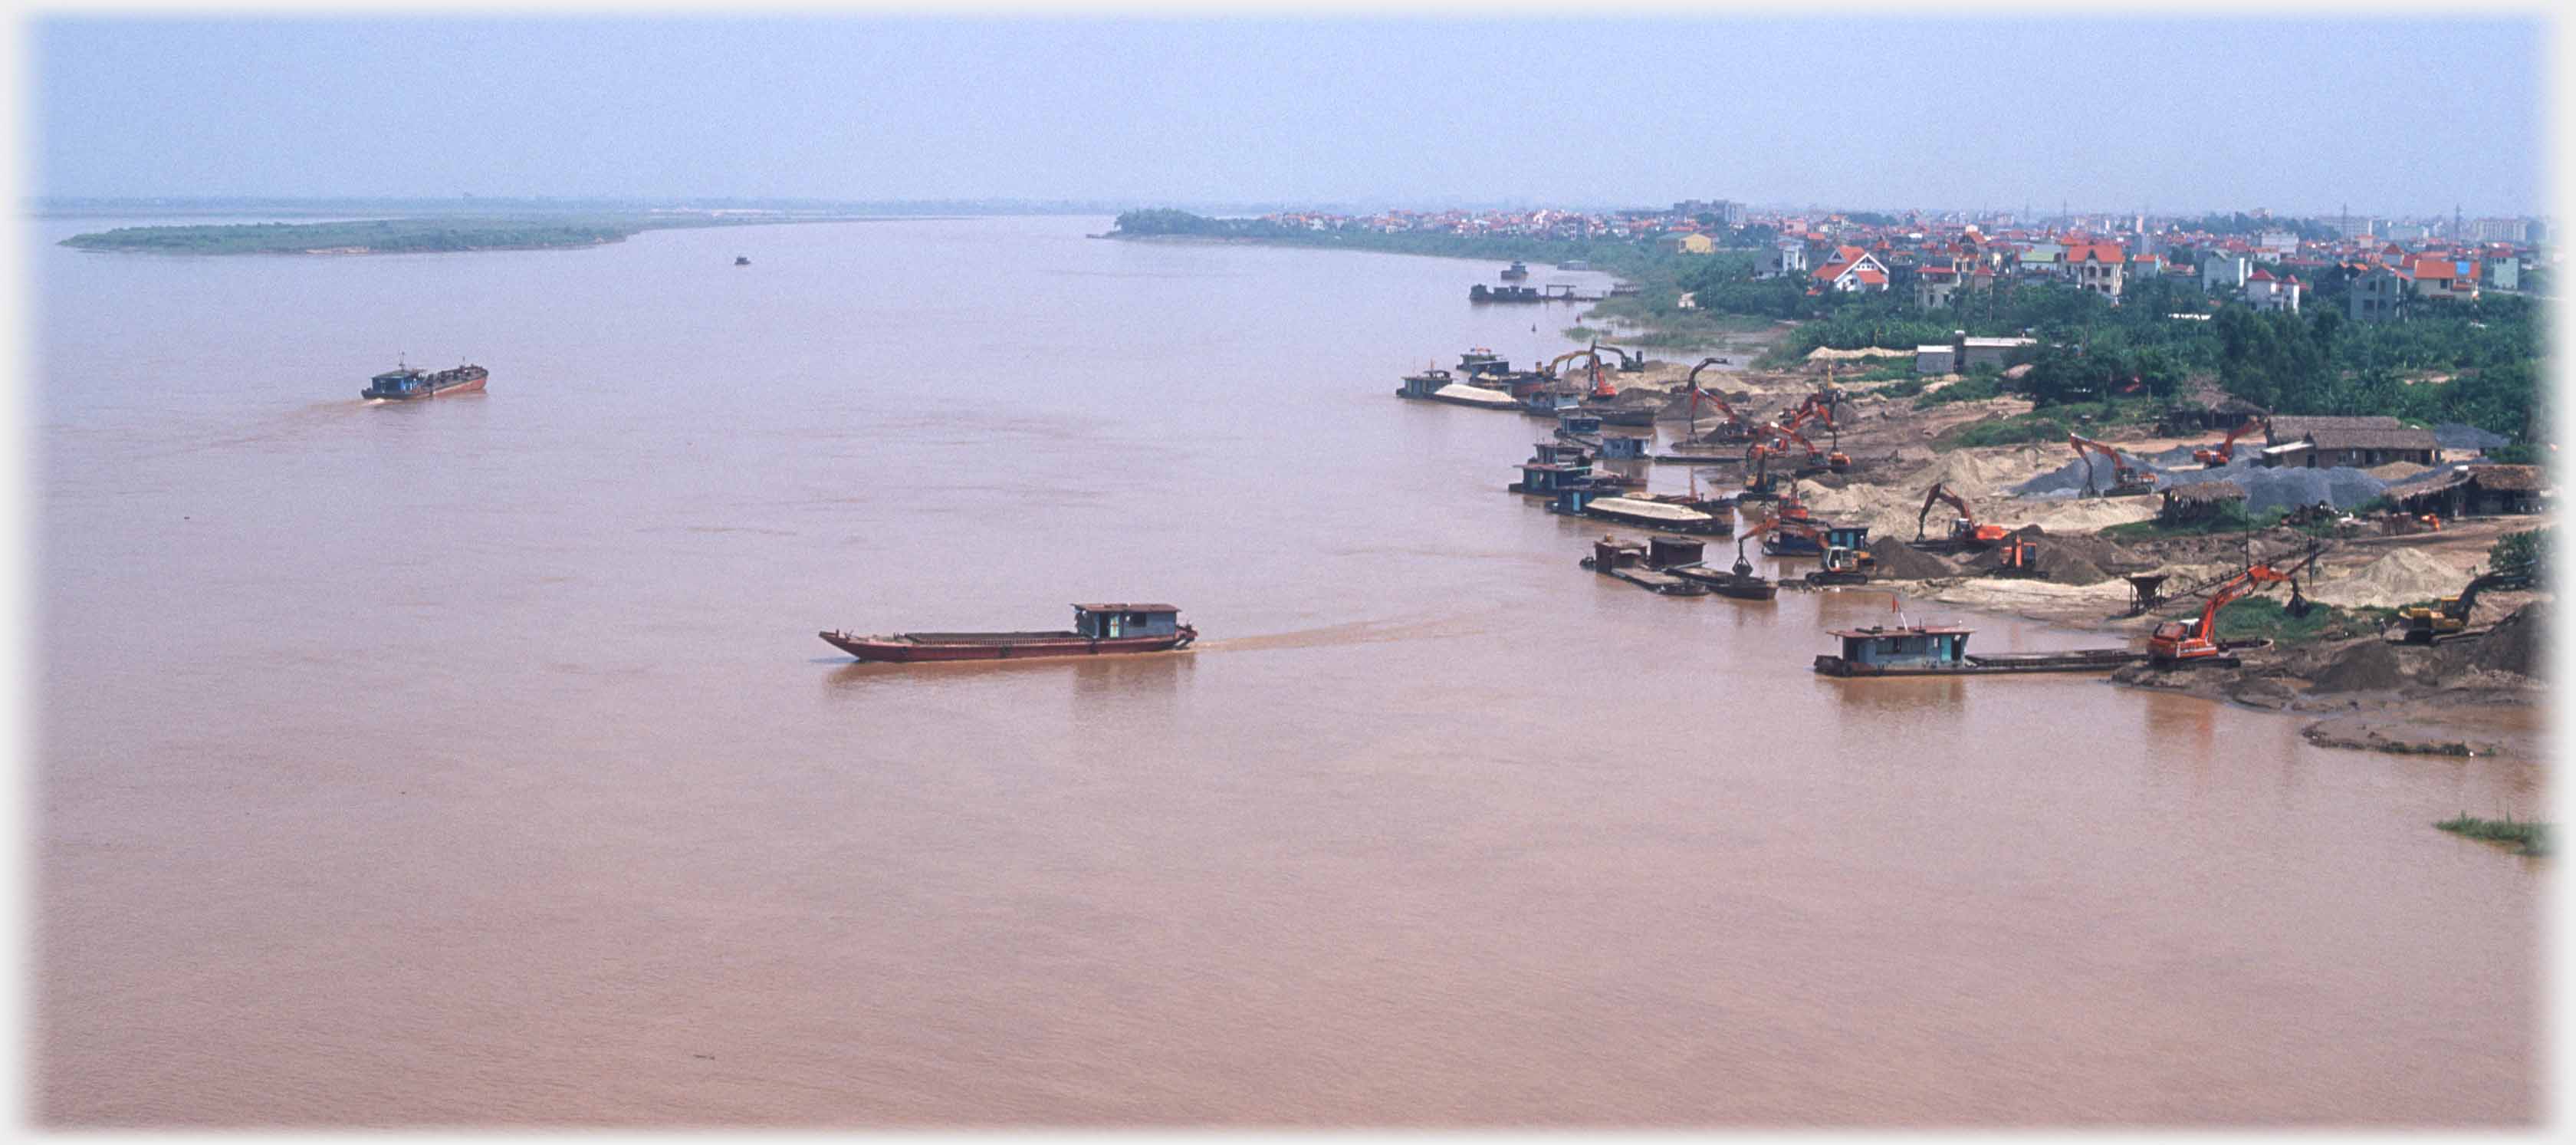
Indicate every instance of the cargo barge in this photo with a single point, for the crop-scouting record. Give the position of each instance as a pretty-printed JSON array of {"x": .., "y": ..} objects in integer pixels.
[
  {"x": 411, "y": 383},
  {"x": 1439, "y": 386},
  {"x": 1933, "y": 650},
  {"x": 1098, "y": 630},
  {"x": 1648, "y": 566}
]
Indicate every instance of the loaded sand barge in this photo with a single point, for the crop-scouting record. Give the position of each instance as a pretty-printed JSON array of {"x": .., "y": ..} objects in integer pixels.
[{"x": 1098, "y": 630}]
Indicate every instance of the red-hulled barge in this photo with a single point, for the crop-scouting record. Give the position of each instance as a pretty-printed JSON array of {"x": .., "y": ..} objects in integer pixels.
[{"x": 1098, "y": 630}]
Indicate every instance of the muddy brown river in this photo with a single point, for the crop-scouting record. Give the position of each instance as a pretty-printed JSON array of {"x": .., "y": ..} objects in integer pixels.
[{"x": 474, "y": 762}]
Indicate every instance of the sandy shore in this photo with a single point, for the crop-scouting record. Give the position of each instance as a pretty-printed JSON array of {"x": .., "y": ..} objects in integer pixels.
[{"x": 2473, "y": 695}]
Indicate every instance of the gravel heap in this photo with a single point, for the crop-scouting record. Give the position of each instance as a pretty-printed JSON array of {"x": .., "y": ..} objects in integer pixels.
[
  {"x": 2268, "y": 488},
  {"x": 2461, "y": 437}
]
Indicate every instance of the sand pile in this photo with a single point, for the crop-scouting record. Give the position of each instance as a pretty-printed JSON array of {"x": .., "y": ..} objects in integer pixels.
[
  {"x": 2105, "y": 553},
  {"x": 2366, "y": 666},
  {"x": 1876, "y": 506},
  {"x": 2062, "y": 559},
  {"x": 2007, "y": 595},
  {"x": 2089, "y": 514},
  {"x": 1901, "y": 561},
  {"x": 2065, "y": 568},
  {"x": 2518, "y": 644},
  {"x": 1977, "y": 478},
  {"x": 1829, "y": 354},
  {"x": 2404, "y": 576}
]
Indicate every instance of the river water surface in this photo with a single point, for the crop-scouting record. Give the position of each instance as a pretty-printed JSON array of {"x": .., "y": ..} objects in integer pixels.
[{"x": 475, "y": 762}]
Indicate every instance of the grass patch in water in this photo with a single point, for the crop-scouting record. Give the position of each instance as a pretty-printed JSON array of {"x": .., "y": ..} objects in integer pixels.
[{"x": 2534, "y": 837}]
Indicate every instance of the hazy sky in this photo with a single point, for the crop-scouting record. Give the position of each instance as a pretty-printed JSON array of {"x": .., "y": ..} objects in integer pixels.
[{"x": 1858, "y": 110}]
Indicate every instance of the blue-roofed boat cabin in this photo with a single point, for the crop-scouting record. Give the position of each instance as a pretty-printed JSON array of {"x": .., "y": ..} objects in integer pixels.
[
  {"x": 1622, "y": 447},
  {"x": 1424, "y": 384},
  {"x": 1543, "y": 479},
  {"x": 1559, "y": 453},
  {"x": 1877, "y": 651},
  {"x": 1582, "y": 423},
  {"x": 1550, "y": 403},
  {"x": 1847, "y": 536},
  {"x": 1117, "y": 621}
]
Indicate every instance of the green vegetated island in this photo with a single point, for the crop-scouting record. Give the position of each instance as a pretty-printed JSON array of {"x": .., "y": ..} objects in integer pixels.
[{"x": 425, "y": 234}]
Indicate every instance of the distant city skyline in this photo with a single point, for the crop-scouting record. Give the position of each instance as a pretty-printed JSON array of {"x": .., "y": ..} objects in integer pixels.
[{"x": 2023, "y": 115}]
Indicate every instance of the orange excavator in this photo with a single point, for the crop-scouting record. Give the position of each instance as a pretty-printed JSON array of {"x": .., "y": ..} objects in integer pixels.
[
  {"x": 1819, "y": 406},
  {"x": 1965, "y": 532},
  {"x": 2127, "y": 479},
  {"x": 2226, "y": 451},
  {"x": 1600, "y": 387},
  {"x": 1734, "y": 428},
  {"x": 1780, "y": 434},
  {"x": 2195, "y": 644},
  {"x": 2019, "y": 556}
]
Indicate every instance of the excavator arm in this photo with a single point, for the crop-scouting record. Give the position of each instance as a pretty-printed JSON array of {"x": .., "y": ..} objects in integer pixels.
[
  {"x": 1938, "y": 493},
  {"x": 2468, "y": 599},
  {"x": 2123, "y": 471},
  {"x": 2175, "y": 641},
  {"x": 1629, "y": 362}
]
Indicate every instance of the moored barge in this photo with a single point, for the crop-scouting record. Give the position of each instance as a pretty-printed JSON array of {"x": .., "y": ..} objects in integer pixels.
[
  {"x": 1939, "y": 650},
  {"x": 1098, "y": 630},
  {"x": 1646, "y": 566}
]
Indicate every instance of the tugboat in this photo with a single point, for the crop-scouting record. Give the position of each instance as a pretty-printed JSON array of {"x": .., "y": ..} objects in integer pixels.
[
  {"x": 742, "y": 260},
  {"x": 1517, "y": 271},
  {"x": 1098, "y": 630},
  {"x": 411, "y": 383}
]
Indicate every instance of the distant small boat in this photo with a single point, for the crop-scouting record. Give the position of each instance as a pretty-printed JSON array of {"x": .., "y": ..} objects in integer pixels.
[
  {"x": 1517, "y": 271},
  {"x": 1098, "y": 630},
  {"x": 741, "y": 260}
]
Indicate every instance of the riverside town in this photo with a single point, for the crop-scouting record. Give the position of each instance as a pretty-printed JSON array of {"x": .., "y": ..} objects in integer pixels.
[{"x": 2295, "y": 463}]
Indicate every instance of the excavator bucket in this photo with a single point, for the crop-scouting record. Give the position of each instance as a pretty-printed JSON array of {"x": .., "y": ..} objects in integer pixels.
[{"x": 2299, "y": 605}]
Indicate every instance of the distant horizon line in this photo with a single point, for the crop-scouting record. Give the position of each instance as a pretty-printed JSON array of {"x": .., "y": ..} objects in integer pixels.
[{"x": 43, "y": 204}]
